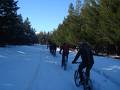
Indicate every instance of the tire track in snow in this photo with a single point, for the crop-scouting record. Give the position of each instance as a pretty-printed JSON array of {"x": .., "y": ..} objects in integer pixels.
[
  {"x": 34, "y": 77},
  {"x": 106, "y": 76}
]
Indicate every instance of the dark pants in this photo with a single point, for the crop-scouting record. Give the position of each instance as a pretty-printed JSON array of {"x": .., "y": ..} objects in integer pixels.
[
  {"x": 88, "y": 68},
  {"x": 63, "y": 59}
]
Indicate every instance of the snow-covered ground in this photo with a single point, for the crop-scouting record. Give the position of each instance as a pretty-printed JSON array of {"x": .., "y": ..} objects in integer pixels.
[{"x": 34, "y": 68}]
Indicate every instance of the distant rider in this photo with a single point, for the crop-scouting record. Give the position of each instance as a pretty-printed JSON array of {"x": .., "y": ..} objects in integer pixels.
[{"x": 64, "y": 50}]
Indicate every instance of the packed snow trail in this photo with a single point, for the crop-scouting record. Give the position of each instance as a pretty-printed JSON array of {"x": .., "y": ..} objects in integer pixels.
[
  {"x": 17, "y": 69},
  {"x": 34, "y": 68}
]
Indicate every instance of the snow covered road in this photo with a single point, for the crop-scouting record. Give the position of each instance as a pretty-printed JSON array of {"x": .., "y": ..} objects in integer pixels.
[{"x": 34, "y": 68}]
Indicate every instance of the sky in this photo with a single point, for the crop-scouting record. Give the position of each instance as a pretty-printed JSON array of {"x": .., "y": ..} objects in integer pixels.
[{"x": 44, "y": 15}]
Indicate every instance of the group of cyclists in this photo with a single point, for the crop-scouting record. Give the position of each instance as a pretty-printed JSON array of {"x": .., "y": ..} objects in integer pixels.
[
  {"x": 86, "y": 54},
  {"x": 52, "y": 47}
]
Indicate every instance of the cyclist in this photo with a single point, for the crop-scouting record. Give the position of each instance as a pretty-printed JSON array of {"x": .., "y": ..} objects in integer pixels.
[
  {"x": 87, "y": 59},
  {"x": 64, "y": 50},
  {"x": 54, "y": 49}
]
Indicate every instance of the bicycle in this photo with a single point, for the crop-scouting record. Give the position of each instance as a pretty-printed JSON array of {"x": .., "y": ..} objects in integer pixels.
[{"x": 86, "y": 85}]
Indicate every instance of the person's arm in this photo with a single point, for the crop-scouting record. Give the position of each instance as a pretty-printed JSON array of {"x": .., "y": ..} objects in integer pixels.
[
  {"x": 76, "y": 57},
  {"x": 60, "y": 49}
]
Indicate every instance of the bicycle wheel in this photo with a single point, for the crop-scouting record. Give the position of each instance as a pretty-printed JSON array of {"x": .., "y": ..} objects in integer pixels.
[
  {"x": 87, "y": 86},
  {"x": 77, "y": 78},
  {"x": 90, "y": 84}
]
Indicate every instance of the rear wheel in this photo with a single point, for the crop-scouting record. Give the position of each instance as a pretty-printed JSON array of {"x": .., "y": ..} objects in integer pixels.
[
  {"x": 77, "y": 78},
  {"x": 88, "y": 86}
]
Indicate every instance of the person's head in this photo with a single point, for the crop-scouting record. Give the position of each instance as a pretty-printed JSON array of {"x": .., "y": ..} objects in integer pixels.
[
  {"x": 83, "y": 44},
  {"x": 64, "y": 43}
]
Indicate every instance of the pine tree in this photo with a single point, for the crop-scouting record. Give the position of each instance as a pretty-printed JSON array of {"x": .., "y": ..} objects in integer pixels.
[
  {"x": 71, "y": 10},
  {"x": 109, "y": 12},
  {"x": 8, "y": 14},
  {"x": 78, "y": 7},
  {"x": 27, "y": 26},
  {"x": 29, "y": 32}
]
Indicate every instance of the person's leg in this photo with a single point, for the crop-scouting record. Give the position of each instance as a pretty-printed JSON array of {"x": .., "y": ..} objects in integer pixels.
[
  {"x": 81, "y": 66},
  {"x": 63, "y": 57},
  {"x": 65, "y": 61},
  {"x": 55, "y": 51},
  {"x": 88, "y": 68},
  {"x": 50, "y": 49},
  {"x": 67, "y": 58}
]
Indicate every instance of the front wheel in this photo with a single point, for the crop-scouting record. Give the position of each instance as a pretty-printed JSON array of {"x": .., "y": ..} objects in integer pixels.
[{"x": 77, "y": 78}]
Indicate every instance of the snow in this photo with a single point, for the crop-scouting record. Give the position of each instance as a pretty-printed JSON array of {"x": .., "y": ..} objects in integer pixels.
[{"x": 34, "y": 68}]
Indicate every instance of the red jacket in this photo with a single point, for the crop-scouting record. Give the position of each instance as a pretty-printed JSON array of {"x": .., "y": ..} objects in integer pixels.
[{"x": 65, "y": 49}]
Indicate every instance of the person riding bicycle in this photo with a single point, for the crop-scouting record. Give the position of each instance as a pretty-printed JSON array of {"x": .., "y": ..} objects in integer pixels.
[
  {"x": 87, "y": 59},
  {"x": 64, "y": 50}
]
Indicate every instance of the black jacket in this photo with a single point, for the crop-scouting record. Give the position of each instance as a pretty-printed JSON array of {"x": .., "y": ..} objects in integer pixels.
[{"x": 86, "y": 55}]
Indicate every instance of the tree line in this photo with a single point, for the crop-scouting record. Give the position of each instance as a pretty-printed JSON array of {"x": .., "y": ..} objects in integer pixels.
[
  {"x": 44, "y": 37},
  {"x": 13, "y": 30},
  {"x": 95, "y": 21}
]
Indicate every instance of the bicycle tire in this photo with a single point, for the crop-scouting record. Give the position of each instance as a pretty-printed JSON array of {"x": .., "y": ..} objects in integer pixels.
[
  {"x": 77, "y": 78},
  {"x": 89, "y": 86}
]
